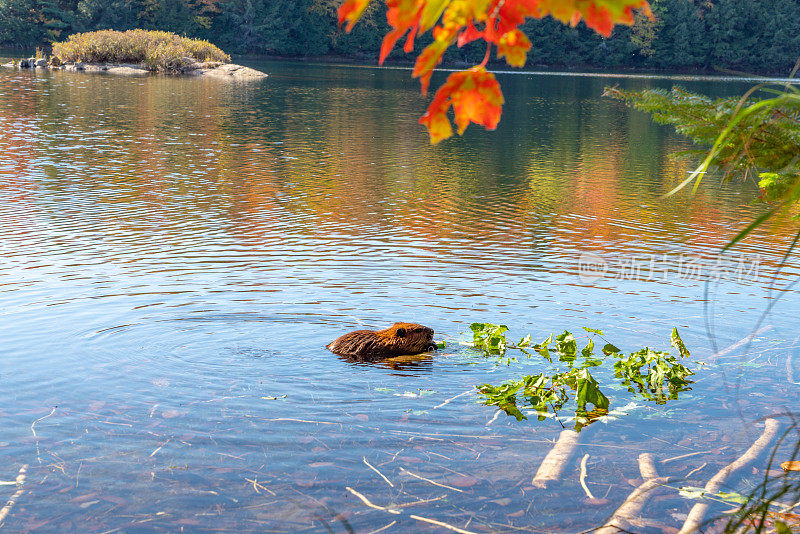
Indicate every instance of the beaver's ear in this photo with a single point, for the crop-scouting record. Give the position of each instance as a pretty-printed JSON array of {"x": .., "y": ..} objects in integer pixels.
[{"x": 400, "y": 332}]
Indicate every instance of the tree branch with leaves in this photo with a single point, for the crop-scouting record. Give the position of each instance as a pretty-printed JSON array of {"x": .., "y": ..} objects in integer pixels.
[{"x": 474, "y": 94}]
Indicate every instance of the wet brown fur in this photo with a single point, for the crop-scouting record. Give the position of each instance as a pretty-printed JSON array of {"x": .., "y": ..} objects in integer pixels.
[{"x": 397, "y": 340}]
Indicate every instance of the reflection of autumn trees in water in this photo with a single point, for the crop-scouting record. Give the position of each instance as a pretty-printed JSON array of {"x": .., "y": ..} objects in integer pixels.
[
  {"x": 346, "y": 157},
  {"x": 18, "y": 130}
]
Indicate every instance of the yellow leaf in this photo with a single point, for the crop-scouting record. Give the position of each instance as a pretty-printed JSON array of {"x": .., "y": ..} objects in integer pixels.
[{"x": 431, "y": 12}]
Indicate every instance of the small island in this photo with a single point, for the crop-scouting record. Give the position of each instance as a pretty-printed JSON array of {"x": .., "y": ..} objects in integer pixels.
[{"x": 138, "y": 53}]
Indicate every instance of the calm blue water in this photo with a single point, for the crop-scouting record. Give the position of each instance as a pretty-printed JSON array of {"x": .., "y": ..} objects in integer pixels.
[{"x": 176, "y": 253}]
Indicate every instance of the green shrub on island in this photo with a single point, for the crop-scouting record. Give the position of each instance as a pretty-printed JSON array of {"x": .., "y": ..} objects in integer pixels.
[{"x": 162, "y": 51}]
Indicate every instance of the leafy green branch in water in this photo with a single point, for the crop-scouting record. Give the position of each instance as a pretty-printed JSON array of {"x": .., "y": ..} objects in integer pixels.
[
  {"x": 748, "y": 137},
  {"x": 644, "y": 372}
]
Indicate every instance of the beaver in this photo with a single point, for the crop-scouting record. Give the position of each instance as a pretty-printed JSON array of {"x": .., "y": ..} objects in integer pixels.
[{"x": 397, "y": 340}]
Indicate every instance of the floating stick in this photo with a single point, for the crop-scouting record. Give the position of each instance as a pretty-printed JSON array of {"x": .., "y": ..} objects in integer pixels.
[
  {"x": 454, "y": 398},
  {"x": 556, "y": 460},
  {"x": 742, "y": 342},
  {"x": 38, "y": 455},
  {"x": 369, "y": 503},
  {"x": 682, "y": 456},
  {"x": 698, "y": 511},
  {"x": 583, "y": 477},
  {"x": 4, "y": 511},
  {"x": 406, "y": 471},
  {"x": 494, "y": 418},
  {"x": 445, "y": 525},
  {"x": 383, "y": 528},
  {"x": 376, "y": 470},
  {"x": 693, "y": 471}
]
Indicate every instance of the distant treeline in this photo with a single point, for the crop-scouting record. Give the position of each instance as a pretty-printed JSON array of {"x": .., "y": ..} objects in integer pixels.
[{"x": 759, "y": 36}]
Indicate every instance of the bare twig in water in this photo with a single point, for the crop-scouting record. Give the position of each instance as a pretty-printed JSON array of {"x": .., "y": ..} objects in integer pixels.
[
  {"x": 494, "y": 418},
  {"x": 634, "y": 504},
  {"x": 289, "y": 419},
  {"x": 439, "y": 523},
  {"x": 406, "y": 471},
  {"x": 682, "y": 456},
  {"x": 742, "y": 342},
  {"x": 698, "y": 511},
  {"x": 693, "y": 471},
  {"x": 420, "y": 501},
  {"x": 382, "y": 528},
  {"x": 369, "y": 503},
  {"x": 256, "y": 487},
  {"x": 376, "y": 470},
  {"x": 556, "y": 460},
  {"x": 454, "y": 398},
  {"x": 4, "y": 511},
  {"x": 38, "y": 456},
  {"x": 160, "y": 447},
  {"x": 393, "y": 458},
  {"x": 583, "y": 477}
]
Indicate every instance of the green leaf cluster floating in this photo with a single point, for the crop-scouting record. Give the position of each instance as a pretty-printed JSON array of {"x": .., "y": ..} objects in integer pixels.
[
  {"x": 643, "y": 372},
  {"x": 489, "y": 337}
]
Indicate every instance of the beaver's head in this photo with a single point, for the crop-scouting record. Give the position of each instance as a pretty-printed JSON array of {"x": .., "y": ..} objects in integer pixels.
[
  {"x": 397, "y": 340},
  {"x": 411, "y": 337}
]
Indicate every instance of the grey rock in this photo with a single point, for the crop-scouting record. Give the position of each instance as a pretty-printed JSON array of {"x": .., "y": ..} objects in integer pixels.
[
  {"x": 23, "y": 64},
  {"x": 232, "y": 71},
  {"x": 127, "y": 70},
  {"x": 41, "y": 63}
]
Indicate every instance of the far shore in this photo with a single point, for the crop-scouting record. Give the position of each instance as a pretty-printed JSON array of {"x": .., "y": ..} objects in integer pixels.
[
  {"x": 402, "y": 63},
  {"x": 555, "y": 70}
]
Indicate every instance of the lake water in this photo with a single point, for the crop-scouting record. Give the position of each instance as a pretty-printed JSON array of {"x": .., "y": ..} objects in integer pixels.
[{"x": 176, "y": 253}]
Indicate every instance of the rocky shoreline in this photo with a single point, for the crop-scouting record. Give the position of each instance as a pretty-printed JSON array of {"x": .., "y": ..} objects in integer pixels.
[{"x": 189, "y": 67}]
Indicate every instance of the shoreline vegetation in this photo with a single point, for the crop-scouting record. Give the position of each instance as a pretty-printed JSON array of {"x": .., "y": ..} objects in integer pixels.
[
  {"x": 137, "y": 52},
  {"x": 751, "y": 36}
]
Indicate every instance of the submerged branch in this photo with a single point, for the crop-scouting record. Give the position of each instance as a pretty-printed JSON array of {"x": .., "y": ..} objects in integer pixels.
[
  {"x": 5, "y": 510},
  {"x": 698, "y": 511},
  {"x": 634, "y": 504},
  {"x": 556, "y": 460}
]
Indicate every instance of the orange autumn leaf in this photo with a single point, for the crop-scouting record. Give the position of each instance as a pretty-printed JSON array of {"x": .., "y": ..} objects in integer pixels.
[
  {"x": 402, "y": 15},
  {"x": 510, "y": 14},
  {"x": 388, "y": 43},
  {"x": 514, "y": 45},
  {"x": 351, "y": 11},
  {"x": 427, "y": 61},
  {"x": 471, "y": 33},
  {"x": 473, "y": 94},
  {"x": 600, "y": 15}
]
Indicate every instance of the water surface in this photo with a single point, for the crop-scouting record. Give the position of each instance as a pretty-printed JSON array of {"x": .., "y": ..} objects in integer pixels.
[{"x": 176, "y": 253}]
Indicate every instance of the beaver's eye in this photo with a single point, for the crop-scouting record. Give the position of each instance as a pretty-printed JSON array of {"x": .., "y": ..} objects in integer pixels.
[{"x": 400, "y": 332}]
